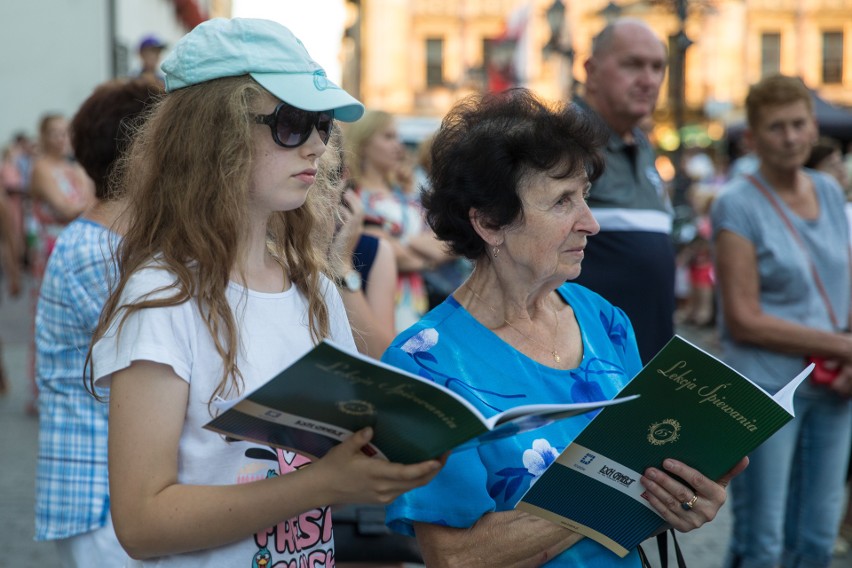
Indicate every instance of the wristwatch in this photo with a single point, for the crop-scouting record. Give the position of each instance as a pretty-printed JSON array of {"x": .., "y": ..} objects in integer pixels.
[{"x": 351, "y": 281}]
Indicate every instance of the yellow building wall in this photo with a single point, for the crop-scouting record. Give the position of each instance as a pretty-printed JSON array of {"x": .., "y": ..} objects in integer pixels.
[{"x": 723, "y": 61}]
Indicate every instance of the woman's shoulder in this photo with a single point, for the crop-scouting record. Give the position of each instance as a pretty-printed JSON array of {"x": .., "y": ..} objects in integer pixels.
[
  {"x": 735, "y": 189},
  {"x": 41, "y": 169},
  {"x": 738, "y": 199},
  {"x": 152, "y": 279},
  {"x": 573, "y": 293},
  {"x": 85, "y": 244},
  {"x": 442, "y": 317},
  {"x": 593, "y": 310},
  {"x": 827, "y": 186}
]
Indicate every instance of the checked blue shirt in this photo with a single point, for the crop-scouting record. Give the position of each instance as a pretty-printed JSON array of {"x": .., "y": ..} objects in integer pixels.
[{"x": 72, "y": 493}]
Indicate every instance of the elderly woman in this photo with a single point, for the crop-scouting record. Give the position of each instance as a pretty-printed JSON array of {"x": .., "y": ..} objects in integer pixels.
[{"x": 509, "y": 182}]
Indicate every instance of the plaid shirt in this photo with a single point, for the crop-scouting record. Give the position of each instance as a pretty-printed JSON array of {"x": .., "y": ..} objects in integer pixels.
[{"x": 72, "y": 494}]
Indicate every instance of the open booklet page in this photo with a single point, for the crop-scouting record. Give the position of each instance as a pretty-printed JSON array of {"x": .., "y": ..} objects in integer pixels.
[{"x": 329, "y": 393}]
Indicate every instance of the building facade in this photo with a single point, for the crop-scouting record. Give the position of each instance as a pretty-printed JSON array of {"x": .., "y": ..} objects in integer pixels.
[
  {"x": 55, "y": 52},
  {"x": 416, "y": 57}
]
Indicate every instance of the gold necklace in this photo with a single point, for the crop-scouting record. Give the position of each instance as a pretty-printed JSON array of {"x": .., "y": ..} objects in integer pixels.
[{"x": 553, "y": 352}]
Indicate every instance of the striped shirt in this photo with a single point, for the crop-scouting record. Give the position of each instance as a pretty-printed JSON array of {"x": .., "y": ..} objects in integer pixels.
[{"x": 72, "y": 495}]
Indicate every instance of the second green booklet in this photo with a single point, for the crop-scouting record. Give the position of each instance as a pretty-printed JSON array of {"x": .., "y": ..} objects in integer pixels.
[{"x": 693, "y": 408}]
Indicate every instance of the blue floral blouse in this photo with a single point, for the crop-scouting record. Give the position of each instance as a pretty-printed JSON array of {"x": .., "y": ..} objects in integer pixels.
[{"x": 452, "y": 348}]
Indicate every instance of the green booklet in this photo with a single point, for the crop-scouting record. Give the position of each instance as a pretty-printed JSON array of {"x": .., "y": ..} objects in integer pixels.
[
  {"x": 694, "y": 408},
  {"x": 329, "y": 393}
]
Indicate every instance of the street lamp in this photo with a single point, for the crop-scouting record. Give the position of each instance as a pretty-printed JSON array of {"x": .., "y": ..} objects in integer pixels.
[
  {"x": 611, "y": 12},
  {"x": 556, "y": 21},
  {"x": 677, "y": 75},
  {"x": 352, "y": 32}
]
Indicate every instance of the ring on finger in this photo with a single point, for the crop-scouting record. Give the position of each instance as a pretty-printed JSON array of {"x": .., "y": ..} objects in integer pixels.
[{"x": 688, "y": 505}]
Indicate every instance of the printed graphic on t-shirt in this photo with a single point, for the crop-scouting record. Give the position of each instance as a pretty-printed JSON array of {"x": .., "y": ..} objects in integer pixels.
[{"x": 302, "y": 541}]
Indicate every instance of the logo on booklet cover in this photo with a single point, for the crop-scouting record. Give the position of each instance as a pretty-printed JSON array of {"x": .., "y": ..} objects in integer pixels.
[
  {"x": 664, "y": 432},
  {"x": 356, "y": 407}
]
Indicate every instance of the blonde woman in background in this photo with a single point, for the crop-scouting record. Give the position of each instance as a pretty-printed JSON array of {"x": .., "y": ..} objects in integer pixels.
[{"x": 374, "y": 154}]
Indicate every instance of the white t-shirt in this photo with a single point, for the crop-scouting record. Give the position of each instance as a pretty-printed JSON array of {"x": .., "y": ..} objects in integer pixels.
[{"x": 274, "y": 332}]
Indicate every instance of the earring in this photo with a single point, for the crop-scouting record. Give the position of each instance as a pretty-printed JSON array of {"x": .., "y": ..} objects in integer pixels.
[{"x": 496, "y": 251}]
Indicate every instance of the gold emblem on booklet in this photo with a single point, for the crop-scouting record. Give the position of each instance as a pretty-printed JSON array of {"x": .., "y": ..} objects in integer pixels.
[
  {"x": 664, "y": 432},
  {"x": 356, "y": 407}
]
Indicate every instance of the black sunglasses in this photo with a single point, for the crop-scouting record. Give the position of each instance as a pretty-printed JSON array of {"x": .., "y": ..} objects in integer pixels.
[{"x": 291, "y": 127}]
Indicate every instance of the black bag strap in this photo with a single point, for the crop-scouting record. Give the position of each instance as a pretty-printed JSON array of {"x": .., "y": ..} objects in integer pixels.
[
  {"x": 681, "y": 562},
  {"x": 643, "y": 558},
  {"x": 663, "y": 549}
]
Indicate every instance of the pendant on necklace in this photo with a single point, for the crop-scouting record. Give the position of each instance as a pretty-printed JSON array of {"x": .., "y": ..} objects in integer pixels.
[{"x": 556, "y": 357}]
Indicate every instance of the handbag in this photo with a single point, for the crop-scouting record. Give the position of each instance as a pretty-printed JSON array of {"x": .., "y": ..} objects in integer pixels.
[
  {"x": 823, "y": 373},
  {"x": 360, "y": 535}
]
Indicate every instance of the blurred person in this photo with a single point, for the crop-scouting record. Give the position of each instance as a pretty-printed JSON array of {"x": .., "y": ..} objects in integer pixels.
[
  {"x": 59, "y": 190},
  {"x": 223, "y": 282},
  {"x": 783, "y": 273},
  {"x": 10, "y": 270},
  {"x": 24, "y": 151},
  {"x": 368, "y": 278},
  {"x": 631, "y": 261},
  {"x": 15, "y": 174},
  {"x": 827, "y": 156},
  {"x": 694, "y": 252},
  {"x": 375, "y": 156},
  {"x": 367, "y": 285},
  {"x": 742, "y": 159},
  {"x": 13, "y": 189},
  {"x": 72, "y": 492},
  {"x": 423, "y": 163},
  {"x": 59, "y": 187},
  {"x": 443, "y": 279},
  {"x": 150, "y": 50},
  {"x": 847, "y": 164},
  {"x": 509, "y": 185}
]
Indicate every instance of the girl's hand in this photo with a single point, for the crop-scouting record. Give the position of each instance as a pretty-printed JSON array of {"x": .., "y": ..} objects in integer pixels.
[
  {"x": 683, "y": 508},
  {"x": 353, "y": 477}
]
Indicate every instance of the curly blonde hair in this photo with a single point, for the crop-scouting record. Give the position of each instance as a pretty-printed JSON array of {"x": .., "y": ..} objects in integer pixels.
[{"x": 187, "y": 178}]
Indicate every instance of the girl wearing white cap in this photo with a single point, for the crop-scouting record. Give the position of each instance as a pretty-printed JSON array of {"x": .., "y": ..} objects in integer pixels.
[{"x": 222, "y": 284}]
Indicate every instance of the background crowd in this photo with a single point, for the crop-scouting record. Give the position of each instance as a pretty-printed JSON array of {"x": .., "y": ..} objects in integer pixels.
[{"x": 408, "y": 237}]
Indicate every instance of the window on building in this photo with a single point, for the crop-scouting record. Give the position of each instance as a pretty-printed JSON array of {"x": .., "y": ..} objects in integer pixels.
[
  {"x": 832, "y": 57},
  {"x": 770, "y": 54},
  {"x": 434, "y": 62}
]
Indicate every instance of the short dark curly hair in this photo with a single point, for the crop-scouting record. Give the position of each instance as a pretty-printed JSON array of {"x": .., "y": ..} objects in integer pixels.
[
  {"x": 104, "y": 125},
  {"x": 487, "y": 145}
]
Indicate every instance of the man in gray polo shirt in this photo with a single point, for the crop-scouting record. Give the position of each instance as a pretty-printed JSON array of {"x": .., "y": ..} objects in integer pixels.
[{"x": 631, "y": 262}]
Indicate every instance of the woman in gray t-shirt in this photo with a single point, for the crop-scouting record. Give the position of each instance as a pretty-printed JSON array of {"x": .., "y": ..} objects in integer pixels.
[{"x": 773, "y": 231}]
